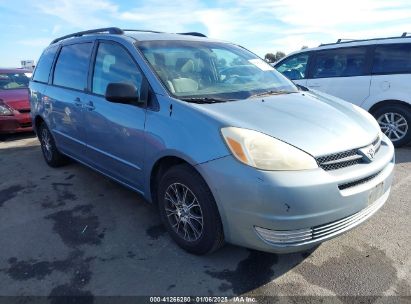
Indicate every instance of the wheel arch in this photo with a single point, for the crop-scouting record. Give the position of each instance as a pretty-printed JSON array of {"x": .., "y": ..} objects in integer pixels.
[
  {"x": 388, "y": 102},
  {"x": 159, "y": 168},
  {"x": 37, "y": 121}
]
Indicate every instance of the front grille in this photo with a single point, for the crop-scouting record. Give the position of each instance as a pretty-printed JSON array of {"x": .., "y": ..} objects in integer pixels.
[
  {"x": 339, "y": 160},
  {"x": 358, "y": 182},
  {"x": 24, "y": 111},
  {"x": 345, "y": 159}
]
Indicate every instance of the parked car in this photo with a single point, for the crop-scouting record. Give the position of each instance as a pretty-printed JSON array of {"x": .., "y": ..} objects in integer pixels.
[
  {"x": 14, "y": 101},
  {"x": 374, "y": 74},
  {"x": 237, "y": 156}
]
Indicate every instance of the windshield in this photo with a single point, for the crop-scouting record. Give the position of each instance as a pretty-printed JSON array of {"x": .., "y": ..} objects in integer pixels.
[
  {"x": 192, "y": 69},
  {"x": 10, "y": 81}
]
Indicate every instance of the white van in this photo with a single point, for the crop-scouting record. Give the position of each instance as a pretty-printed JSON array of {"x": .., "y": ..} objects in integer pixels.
[{"x": 374, "y": 74}]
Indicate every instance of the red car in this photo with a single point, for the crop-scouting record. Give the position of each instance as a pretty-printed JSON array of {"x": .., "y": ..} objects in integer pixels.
[{"x": 14, "y": 101}]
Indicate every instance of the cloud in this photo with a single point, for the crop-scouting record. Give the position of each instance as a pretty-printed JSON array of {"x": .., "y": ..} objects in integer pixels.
[
  {"x": 34, "y": 42},
  {"x": 219, "y": 22},
  {"x": 56, "y": 29},
  {"x": 263, "y": 26},
  {"x": 79, "y": 13}
]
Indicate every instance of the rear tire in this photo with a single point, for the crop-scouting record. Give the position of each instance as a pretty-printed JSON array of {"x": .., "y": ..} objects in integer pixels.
[
  {"x": 395, "y": 122},
  {"x": 51, "y": 154},
  {"x": 188, "y": 210}
]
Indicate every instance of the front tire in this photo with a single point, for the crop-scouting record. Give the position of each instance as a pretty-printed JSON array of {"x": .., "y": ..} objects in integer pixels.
[
  {"x": 51, "y": 154},
  {"x": 395, "y": 123},
  {"x": 188, "y": 210}
]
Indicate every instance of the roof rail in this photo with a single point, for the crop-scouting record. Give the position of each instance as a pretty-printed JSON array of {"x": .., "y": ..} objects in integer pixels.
[
  {"x": 193, "y": 34},
  {"x": 117, "y": 31},
  {"x": 156, "y": 32},
  {"x": 345, "y": 40},
  {"x": 110, "y": 30},
  {"x": 339, "y": 41},
  {"x": 148, "y": 31}
]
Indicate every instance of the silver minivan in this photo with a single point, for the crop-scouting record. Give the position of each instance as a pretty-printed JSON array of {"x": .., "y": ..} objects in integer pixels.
[{"x": 225, "y": 146}]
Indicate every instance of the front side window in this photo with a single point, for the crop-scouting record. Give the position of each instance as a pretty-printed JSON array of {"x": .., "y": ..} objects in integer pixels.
[
  {"x": 341, "y": 62},
  {"x": 394, "y": 58},
  {"x": 11, "y": 81},
  {"x": 294, "y": 67},
  {"x": 72, "y": 66},
  {"x": 42, "y": 72},
  {"x": 114, "y": 65},
  {"x": 192, "y": 69}
]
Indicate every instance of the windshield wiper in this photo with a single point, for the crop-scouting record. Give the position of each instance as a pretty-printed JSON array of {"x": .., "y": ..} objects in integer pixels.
[
  {"x": 206, "y": 99},
  {"x": 267, "y": 93}
]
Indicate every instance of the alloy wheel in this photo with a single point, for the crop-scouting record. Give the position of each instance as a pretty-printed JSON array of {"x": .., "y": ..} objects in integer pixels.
[
  {"x": 46, "y": 144},
  {"x": 394, "y": 125},
  {"x": 184, "y": 212}
]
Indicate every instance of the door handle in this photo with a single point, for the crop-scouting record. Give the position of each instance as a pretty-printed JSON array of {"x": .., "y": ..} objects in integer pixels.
[
  {"x": 90, "y": 106},
  {"x": 78, "y": 102}
]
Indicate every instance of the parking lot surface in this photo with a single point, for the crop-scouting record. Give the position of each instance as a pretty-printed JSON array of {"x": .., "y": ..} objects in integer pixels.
[{"x": 71, "y": 231}]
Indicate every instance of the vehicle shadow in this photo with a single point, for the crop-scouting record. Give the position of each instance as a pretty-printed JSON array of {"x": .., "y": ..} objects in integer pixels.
[
  {"x": 403, "y": 155},
  {"x": 91, "y": 236},
  {"x": 16, "y": 136}
]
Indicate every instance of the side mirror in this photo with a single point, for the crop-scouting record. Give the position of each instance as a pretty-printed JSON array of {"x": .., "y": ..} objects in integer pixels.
[{"x": 122, "y": 93}]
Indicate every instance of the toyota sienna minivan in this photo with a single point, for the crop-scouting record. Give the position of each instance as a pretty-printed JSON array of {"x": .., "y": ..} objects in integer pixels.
[{"x": 226, "y": 147}]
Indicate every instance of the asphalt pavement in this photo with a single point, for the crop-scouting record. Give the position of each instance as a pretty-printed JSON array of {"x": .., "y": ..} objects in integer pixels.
[{"x": 71, "y": 231}]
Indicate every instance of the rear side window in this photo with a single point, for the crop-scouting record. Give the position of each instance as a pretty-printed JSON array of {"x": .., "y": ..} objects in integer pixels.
[
  {"x": 44, "y": 65},
  {"x": 72, "y": 66},
  {"x": 395, "y": 58},
  {"x": 294, "y": 67},
  {"x": 342, "y": 62}
]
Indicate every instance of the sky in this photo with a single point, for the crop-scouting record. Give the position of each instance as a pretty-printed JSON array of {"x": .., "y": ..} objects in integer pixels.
[{"x": 263, "y": 26}]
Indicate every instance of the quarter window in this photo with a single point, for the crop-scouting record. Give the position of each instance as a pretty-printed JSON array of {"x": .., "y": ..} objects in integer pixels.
[
  {"x": 395, "y": 58},
  {"x": 342, "y": 62},
  {"x": 114, "y": 65},
  {"x": 294, "y": 67},
  {"x": 72, "y": 66},
  {"x": 43, "y": 67}
]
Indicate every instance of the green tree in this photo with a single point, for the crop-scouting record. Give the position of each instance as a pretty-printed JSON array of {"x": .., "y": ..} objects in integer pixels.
[
  {"x": 270, "y": 57},
  {"x": 279, "y": 55}
]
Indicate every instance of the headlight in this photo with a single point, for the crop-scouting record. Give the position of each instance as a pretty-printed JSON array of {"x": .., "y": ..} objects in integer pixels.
[
  {"x": 265, "y": 152},
  {"x": 4, "y": 110}
]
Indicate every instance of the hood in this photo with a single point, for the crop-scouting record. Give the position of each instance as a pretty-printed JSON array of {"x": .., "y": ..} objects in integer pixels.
[
  {"x": 16, "y": 99},
  {"x": 315, "y": 124}
]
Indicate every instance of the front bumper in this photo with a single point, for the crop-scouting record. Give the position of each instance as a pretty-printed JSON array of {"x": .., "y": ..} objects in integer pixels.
[
  {"x": 258, "y": 208},
  {"x": 19, "y": 122}
]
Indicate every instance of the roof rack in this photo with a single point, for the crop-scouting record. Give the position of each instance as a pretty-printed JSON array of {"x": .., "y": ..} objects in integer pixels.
[
  {"x": 117, "y": 31},
  {"x": 193, "y": 34},
  {"x": 110, "y": 30},
  {"x": 156, "y": 32},
  {"x": 148, "y": 31},
  {"x": 339, "y": 41},
  {"x": 345, "y": 40}
]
